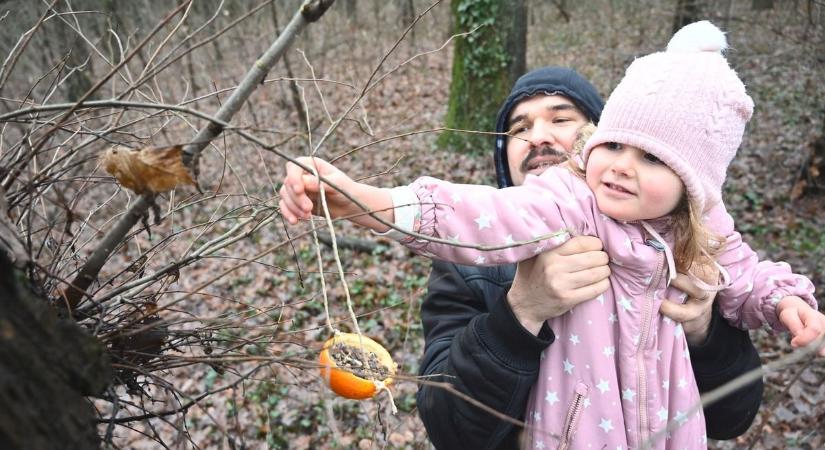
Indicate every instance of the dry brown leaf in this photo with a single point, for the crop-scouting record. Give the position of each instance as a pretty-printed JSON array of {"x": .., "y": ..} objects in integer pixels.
[{"x": 147, "y": 170}]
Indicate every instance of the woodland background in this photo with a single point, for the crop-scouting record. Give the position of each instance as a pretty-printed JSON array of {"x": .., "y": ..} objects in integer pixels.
[{"x": 212, "y": 319}]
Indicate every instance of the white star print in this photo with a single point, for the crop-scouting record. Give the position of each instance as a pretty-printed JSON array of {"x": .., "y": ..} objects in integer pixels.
[
  {"x": 678, "y": 330},
  {"x": 453, "y": 238},
  {"x": 667, "y": 320},
  {"x": 628, "y": 243},
  {"x": 658, "y": 354},
  {"x": 606, "y": 425},
  {"x": 574, "y": 339},
  {"x": 625, "y": 303},
  {"x": 612, "y": 318},
  {"x": 551, "y": 397},
  {"x": 609, "y": 351},
  {"x": 666, "y": 385},
  {"x": 586, "y": 403},
  {"x": 568, "y": 366},
  {"x": 662, "y": 414},
  {"x": 681, "y": 418},
  {"x": 483, "y": 221},
  {"x": 628, "y": 394},
  {"x": 600, "y": 298},
  {"x": 603, "y": 386},
  {"x": 539, "y": 444},
  {"x": 509, "y": 239},
  {"x": 456, "y": 198},
  {"x": 479, "y": 260},
  {"x": 682, "y": 383},
  {"x": 537, "y": 416}
]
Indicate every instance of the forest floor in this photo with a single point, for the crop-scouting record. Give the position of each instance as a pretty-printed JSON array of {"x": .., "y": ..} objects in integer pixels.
[{"x": 284, "y": 403}]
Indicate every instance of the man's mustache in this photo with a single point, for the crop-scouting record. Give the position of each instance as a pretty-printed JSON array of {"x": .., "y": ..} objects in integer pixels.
[{"x": 544, "y": 150}]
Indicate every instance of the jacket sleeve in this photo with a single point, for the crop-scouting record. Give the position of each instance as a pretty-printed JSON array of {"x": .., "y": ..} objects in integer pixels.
[
  {"x": 541, "y": 214},
  {"x": 726, "y": 354},
  {"x": 484, "y": 353},
  {"x": 755, "y": 286}
]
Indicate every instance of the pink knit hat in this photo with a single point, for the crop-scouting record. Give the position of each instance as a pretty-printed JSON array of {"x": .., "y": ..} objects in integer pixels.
[{"x": 686, "y": 106}]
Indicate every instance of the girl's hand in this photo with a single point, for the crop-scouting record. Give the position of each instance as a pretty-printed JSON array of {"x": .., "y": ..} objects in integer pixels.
[
  {"x": 695, "y": 313},
  {"x": 805, "y": 323},
  {"x": 300, "y": 196},
  {"x": 300, "y": 190}
]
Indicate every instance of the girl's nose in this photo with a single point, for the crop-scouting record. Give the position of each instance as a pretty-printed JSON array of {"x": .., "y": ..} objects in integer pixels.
[{"x": 624, "y": 164}]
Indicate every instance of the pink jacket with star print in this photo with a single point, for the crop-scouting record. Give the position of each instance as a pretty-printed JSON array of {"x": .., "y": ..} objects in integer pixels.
[{"x": 619, "y": 372}]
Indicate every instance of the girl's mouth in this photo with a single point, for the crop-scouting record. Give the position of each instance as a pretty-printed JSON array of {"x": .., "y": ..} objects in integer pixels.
[{"x": 616, "y": 188}]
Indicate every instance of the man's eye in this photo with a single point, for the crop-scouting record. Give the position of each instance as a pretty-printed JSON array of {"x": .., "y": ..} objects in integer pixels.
[
  {"x": 517, "y": 129},
  {"x": 652, "y": 158}
]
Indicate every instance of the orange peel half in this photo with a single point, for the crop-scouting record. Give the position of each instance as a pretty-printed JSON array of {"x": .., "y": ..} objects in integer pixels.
[{"x": 345, "y": 383}]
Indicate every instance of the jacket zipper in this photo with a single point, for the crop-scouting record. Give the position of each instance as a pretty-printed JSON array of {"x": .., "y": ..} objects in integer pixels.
[
  {"x": 645, "y": 332},
  {"x": 572, "y": 419}
]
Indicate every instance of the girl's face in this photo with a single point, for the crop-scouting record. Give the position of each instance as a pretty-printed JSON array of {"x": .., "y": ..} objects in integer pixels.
[{"x": 631, "y": 184}]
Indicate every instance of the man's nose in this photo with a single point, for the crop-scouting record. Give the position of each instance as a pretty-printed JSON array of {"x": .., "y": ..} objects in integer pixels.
[{"x": 542, "y": 134}]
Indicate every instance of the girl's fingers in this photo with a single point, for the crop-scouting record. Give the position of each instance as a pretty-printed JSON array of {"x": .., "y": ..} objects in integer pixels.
[
  {"x": 790, "y": 318},
  {"x": 690, "y": 310},
  {"x": 686, "y": 285}
]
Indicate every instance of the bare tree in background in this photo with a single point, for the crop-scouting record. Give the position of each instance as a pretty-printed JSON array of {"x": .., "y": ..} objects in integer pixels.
[{"x": 486, "y": 63}]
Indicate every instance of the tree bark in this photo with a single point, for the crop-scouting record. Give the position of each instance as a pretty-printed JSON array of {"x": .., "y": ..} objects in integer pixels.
[
  {"x": 47, "y": 367},
  {"x": 485, "y": 66}
]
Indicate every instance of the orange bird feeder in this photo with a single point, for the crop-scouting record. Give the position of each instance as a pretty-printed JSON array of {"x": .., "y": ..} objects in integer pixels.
[{"x": 342, "y": 365}]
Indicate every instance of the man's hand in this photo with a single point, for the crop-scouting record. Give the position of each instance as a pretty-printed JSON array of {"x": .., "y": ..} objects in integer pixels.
[
  {"x": 552, "y": 282},
  {"x": 695, "y": 313},
  {"x": 805, "y": 323}
]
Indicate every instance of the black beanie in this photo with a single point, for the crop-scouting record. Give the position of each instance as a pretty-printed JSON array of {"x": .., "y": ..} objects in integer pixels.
[{"x": 546, "y": 80}]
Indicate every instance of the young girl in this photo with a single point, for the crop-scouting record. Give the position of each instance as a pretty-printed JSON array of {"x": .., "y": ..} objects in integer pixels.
[{"x": 650, "y": 187}]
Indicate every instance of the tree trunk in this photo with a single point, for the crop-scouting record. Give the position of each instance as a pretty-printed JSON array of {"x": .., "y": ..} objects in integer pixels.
[
  {"x": 687, "y": 11},
  {"x": 47, "y": 366},
  {"x": 761, "y": 5},
  {"x": 485, "y": 66}
]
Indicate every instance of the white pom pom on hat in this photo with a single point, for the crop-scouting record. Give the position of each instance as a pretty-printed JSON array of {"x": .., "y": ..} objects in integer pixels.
[{"x": 700, "y": 36}]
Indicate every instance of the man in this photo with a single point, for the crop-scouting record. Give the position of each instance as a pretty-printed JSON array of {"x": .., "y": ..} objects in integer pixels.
[{"x": 485, "y": 326}]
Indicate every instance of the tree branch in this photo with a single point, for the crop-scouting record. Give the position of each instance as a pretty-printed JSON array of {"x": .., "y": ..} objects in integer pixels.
[{"x": 90, "y": 270}]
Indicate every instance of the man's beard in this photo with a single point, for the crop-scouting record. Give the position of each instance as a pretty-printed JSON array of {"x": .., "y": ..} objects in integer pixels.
[{"x": 556, "y": 157}]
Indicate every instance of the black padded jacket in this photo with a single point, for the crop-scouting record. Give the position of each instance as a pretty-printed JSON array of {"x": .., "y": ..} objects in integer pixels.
[{"x": 474, "y": 342}]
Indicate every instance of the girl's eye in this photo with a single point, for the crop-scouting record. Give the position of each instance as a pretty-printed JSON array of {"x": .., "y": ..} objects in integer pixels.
[
  {"x": 652, "y": 158},
  {"x": 613, "y": 146}
]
